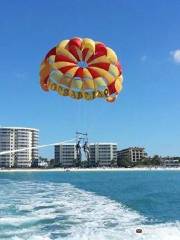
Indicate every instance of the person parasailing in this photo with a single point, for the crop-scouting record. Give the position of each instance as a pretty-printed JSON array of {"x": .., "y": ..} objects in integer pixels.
[
  {"x": 86, "y": 150},
  {"x": 78, "y": 149}
]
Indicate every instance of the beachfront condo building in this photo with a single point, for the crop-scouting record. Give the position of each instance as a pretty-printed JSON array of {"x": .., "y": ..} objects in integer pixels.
[
  {"x": 13, "y": 138},
  {"x": 134, "y": 154},
  {"x": 65, "y": 155},
  {"x": 103, "y": 154},
  {"x": 170, "y": 162}
]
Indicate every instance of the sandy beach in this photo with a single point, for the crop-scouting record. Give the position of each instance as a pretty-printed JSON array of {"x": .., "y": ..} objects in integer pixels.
[{"x": 87, "y": 169}]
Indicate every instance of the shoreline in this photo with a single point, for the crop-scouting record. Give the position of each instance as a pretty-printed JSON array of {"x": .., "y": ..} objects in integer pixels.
[{"x": 89, "y": 169}]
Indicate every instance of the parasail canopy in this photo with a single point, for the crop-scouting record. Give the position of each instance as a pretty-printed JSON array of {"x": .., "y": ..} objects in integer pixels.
[{"x": 82, "y": 69}]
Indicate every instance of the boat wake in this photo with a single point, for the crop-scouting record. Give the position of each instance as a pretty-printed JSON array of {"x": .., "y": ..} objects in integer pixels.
[{"x": 40, "y": 211}]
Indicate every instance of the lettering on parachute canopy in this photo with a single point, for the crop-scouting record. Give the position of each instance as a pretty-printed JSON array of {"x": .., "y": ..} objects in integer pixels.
[{"x": 78, "y": 95}]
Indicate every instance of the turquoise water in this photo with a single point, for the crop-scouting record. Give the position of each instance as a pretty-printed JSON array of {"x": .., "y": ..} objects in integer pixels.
[{"x": 90, "y": 205}]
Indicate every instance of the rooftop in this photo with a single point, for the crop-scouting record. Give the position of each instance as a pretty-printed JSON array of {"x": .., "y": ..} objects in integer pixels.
[{"x": 27, "y": 128}]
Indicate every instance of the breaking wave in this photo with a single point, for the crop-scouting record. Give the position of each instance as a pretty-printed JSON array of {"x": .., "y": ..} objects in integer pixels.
[{"x": 40, "y": 211}]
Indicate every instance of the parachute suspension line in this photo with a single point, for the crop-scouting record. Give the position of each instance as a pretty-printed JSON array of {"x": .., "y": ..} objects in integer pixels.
[
  {"x": 78, "y": 116},
  {"x": 81, "y": 117},
  {"x": 84, "y": 116},
  {"x": 40, "y": 146}
]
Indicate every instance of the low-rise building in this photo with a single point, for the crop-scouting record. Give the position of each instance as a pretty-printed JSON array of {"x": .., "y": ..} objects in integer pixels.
[
  {"x": 43, "y": 162},
  {"x": 134, "y": 154},
  {"x": 170, "y": 162}
]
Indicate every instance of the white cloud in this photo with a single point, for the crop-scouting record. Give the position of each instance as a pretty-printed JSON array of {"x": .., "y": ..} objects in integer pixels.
[{"x": 176, "y": 55}]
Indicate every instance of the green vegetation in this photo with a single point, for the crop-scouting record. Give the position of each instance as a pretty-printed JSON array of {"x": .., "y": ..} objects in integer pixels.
[
  {"x": 125, "y": 162},
  {"x": 154, "y": 161}
]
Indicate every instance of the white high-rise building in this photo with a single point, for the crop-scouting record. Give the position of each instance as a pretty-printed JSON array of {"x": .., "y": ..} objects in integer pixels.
[
  {"x": 103, "y": 154},
  {"x": 12, "y": 138}
]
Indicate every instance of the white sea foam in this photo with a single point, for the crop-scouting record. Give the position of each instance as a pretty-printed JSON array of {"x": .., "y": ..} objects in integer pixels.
[{"x": 39, "y": 211}]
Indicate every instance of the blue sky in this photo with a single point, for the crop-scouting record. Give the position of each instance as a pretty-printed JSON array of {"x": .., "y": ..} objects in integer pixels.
[{"x": 146, "y": 37}]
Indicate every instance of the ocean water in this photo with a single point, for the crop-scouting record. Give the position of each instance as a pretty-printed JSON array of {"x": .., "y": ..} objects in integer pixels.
[{"x": 90, "y": 205}]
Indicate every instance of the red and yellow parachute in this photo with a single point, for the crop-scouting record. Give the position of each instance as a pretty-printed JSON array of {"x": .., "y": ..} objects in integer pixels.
[{"x": 82, "y": 69}]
